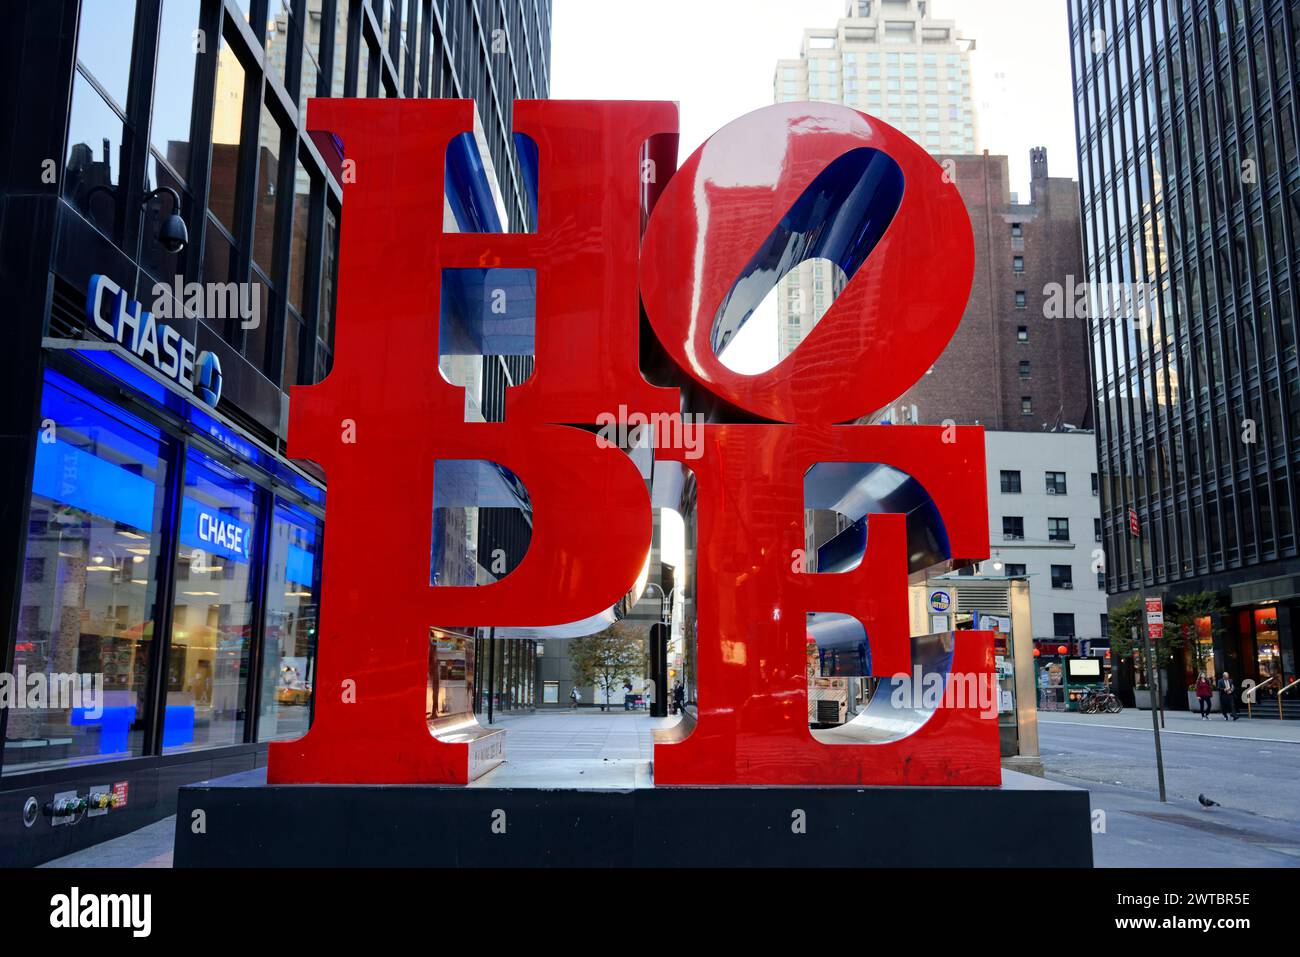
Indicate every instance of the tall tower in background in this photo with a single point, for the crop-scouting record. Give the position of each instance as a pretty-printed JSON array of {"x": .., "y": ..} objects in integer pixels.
[{"x": 892, "y": 59}]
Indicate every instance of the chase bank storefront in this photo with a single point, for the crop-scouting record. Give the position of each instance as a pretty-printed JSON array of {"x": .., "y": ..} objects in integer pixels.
[{"x": 168, "y": 605}]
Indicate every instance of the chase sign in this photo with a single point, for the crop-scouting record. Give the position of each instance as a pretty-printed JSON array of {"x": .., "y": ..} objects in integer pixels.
[{"x": 129, "y": 324}]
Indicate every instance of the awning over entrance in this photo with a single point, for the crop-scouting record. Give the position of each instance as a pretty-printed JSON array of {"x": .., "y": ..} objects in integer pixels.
[{"x": 1267, "y": 590}]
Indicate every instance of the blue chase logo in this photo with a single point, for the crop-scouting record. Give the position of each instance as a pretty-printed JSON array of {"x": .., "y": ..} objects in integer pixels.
[{"x": 207, "y": 378}]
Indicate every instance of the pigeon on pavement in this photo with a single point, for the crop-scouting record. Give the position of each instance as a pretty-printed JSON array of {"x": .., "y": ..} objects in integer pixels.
[{"x": 1206, "y": 802}]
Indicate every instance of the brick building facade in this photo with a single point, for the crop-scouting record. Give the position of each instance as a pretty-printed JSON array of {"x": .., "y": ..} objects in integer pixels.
[{"x": 1017, "y": 362}]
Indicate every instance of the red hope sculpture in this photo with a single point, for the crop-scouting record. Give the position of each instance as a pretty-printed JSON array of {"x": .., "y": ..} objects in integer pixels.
[{"x": 385, "y": 413}]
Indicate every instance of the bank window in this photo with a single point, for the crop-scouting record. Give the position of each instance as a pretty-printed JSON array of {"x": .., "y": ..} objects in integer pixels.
[
  {"x": 86, "y": 612},
  {"x": 1010, "y": 480},
  {"x": 309, "y": 82},
  {"x": 169, "y": 132},
  {"x": 105, "y": 34},
  {"x": 1013, "y": 527},
  {"x": 1054, "y": 482},
  {"x": 363, "y": 64},
  {"x": 266, "y": 222},
  {"x": 1062, "y": 576},
  {"x": 219, "y": 251},
  {"x": 292, "y": 611},
  {"x": 173, "y": 91},
  {"x": 303, "y": 183},
  {"x": 92, "y": 167},
  {"x": 325, "y": 302},
  {"x": 212, "y": 620},
  {"x": 283, "y": 40},
  {"x": 1058, "y": 529}
]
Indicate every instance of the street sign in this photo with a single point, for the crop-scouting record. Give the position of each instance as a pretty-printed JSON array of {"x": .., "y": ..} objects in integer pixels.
[
  {"x": 1133, "y": 526},
  {"x": 1155, "y": 611}
]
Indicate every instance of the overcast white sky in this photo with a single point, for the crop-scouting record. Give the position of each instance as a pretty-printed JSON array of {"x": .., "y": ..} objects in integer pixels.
[{"x": 716, "y": 59}]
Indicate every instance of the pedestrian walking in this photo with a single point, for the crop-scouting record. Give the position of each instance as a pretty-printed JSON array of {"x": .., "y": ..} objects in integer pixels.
[
  {"x": 679, "y": 698},
  {"x": 574, "y": 698},
  {"x": 649, "y": 694},
  {"x": 1204, "y": 695},
  {"x": 1226, "y": 700}
]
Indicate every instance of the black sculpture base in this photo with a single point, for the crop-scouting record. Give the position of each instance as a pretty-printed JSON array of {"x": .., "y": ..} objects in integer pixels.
[{"x": 1027, "y": 822}]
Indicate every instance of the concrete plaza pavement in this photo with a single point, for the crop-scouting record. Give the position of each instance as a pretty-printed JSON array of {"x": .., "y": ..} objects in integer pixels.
[{"x": 1249, "y": 767}]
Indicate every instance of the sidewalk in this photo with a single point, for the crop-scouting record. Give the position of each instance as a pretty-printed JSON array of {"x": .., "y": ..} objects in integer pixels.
[
  {"x": 1183, "y": 722},
  {"x": 584, "y": 748},
  {"x": 1139, "y": 831}
]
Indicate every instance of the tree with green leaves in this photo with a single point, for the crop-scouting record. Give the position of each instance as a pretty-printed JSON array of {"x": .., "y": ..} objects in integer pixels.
[
  {"x": 1181, "y": 616},
  {"x": 608, "y": 658}
]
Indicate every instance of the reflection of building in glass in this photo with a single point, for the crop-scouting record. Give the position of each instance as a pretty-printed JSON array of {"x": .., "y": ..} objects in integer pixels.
[{"x": 1188, "y": 166}]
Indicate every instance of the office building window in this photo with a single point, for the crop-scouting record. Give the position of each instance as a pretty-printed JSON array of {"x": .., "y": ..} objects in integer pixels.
[
  {"x": 1013, "y": 526},
  {"x": 1024, "y": 368},
  {"x": 1058, "y": 529},
  {"x": 1020, "y": 299},
  {"x": 266, "y": 224},
  {"x": 1022, "y": 333},
  {"x": 1096, "y": 529},
  {"x": 1062, "y": 576},
  {"x": 1010, "y": 481},
  {"x": 1016, "y": 230},
  {"x": 1013, "y": 570},
  {"x": 1062, "y": 624},
  {"x": 1026, "y": 405},
  {"x": 1018, "y": 263},
  {"x": 1095, "y": 485},
  {"x": 1055, "y": 482}
]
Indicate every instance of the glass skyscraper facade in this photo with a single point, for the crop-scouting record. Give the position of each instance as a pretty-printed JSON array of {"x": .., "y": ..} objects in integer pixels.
[{"x": 1186, "y": 115}]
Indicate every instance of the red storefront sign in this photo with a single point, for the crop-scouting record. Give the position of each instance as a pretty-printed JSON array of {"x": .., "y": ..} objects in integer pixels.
[{"x": 385, "y": 411}]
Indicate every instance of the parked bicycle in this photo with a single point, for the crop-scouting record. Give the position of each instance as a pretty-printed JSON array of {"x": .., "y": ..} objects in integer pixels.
[{"x": 1097, "y": 701}]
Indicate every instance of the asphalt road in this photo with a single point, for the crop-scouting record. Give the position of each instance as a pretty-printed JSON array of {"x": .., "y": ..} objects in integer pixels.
[{"x": 1256, "y": 783}]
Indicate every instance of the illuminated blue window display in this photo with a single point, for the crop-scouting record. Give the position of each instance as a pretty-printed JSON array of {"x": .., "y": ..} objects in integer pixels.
[
  {"x": 212, "y": 618},
  {"x": 237, "y": 571},
  {"x": 86, "y": 624}
]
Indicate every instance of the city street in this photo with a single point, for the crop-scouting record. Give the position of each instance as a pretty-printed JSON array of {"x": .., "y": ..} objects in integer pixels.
[{"x": 1248, "y": 767}]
